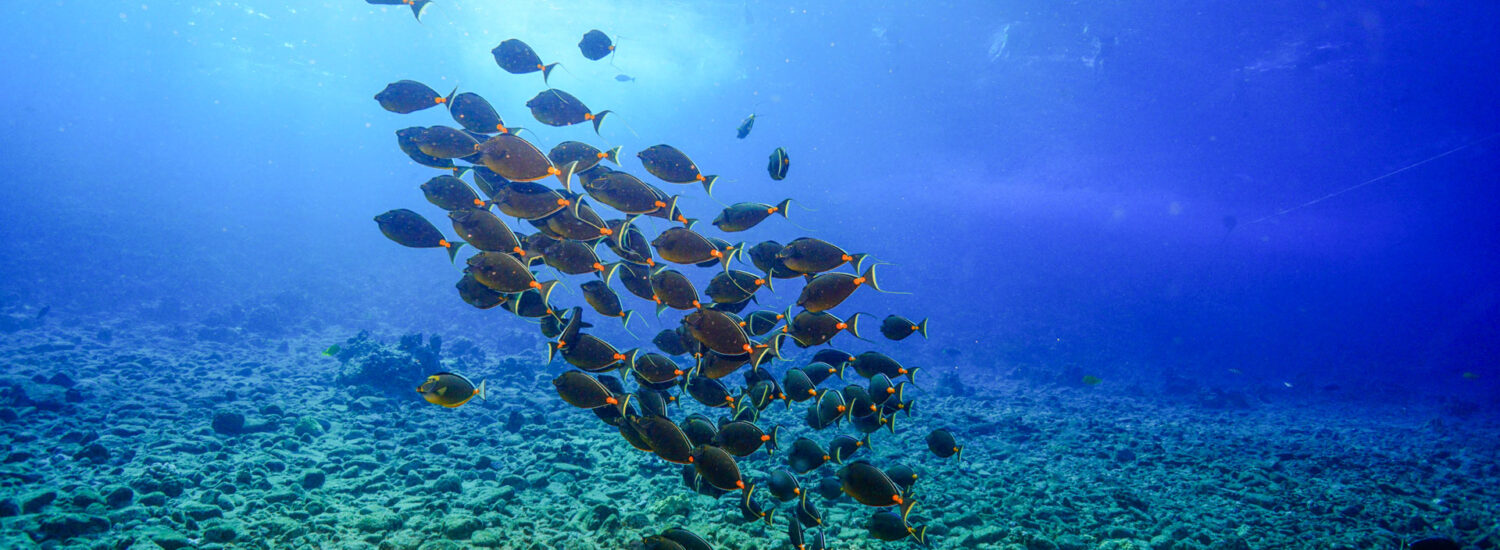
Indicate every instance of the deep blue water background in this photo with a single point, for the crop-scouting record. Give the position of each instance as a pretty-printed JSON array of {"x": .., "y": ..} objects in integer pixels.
[{"x": 1044, "y": 208}]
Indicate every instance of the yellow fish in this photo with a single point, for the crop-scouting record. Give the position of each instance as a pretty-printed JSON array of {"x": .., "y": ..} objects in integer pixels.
[{"x": 449, "y": 389}]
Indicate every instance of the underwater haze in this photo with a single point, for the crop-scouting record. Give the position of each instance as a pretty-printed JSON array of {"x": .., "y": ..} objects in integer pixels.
[{"x": 1193, "y": 274}]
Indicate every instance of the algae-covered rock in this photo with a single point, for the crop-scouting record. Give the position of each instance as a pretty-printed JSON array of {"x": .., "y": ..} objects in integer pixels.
[
  {"x": 460, "y": 526},
  {"x": 313, "y": 479},
  {"x": 222, "y": 531},
  {"x": 118, "y": 496},
  {"x": 228, "y": 422},
  {"x": 448, "y": 483},
  {"x": 34, "y": 502},
  {"x": 67, "y": 526},
  {"x": 308, "y": 426},
  {"x": 493, "y": 537},
  {"x": 377, "y": 521}
]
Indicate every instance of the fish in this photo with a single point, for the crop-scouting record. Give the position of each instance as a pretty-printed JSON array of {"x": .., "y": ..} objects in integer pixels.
[
  {"x": 870, "y": 363},
  {"x": 684, "y": 246},
  {"x": 744, "y": 438},
  {"x": 896, "y": 327},
  {"x": 843, "y": 447},
  {"x": 654, "y": 402},
  {"x": 485, "y": 231},
  {"x": 411, "y": 230},
  {"x": 699, "y": 429},
  {"x": 665, "y": 438},
  {"x": 406, "y": 139},
  {"x": 628, "y": 194},
  {"x": 417, "y": 6},
  {"x": 831, "y": 407},
  {"x": 629, "y": 243},
  {"x": 673, "y": 166},
  {"x": 515, "y": 57},
  {"x": 805, "y": 456},
  {"x": 903, "y": 475},
  {"x": 474, "y": 293},
  {"x": 942, "y": 444},
  {"x": 869, "y": 485},
  {"x": 808, "y": 513},
  {"x": 654, "y": 368},
  {"x": 745, "y": 215},
  {"x": 573, "y": 258},
  {"x": 811, "y": 256},
  {"x": 450, "y": 389},
  {"x": 717, "y": 467},
  {"x": 778, "y": 164},
  {"x": 658, "y": 542},
  {"x": 622, "y": 77},
  {"x": 475, "y": 114},
  {"x": 596, "y": 45},
  {"x": 517, "y": 160},
  {"x": 451, "y": 194},
  {"x": 784, "y": 486},
  {"x": 687, "y": 539},
  {"x": 829, "y": 488},
  {"x": 759, "y": 323},
  {"x": 531, "y": 304},
  {"x": 487, "y": 180},
  {"x": 588, "y": 353},
  {"x": 446, "y": 143},
  {"x": 670, "y": 289},
  {"x": 751, "y": 510},
  {"x": 809, "y": 329},
  {"x": 713, "y": 365},
  {"x": 798, "y": 386},
  {"x": 763, "y": 257},
  {"x": 1091, "y": 380},
  {"x": 586, "y": 155},
  {"x": 670, "y": 342},
  {"x": 836, "y": 359},
  {"x": 583, "y": 391},
  {"x": 637, "y": 279},
  {"x": 409, "y": 96},
  {"x": 332, "y": 351},
  {"x": 504, "y": 273},
  {"x": 708, "y": 391},
  {"x": 555, "y": 107},
  {"x": 579, "y": 223},
  {"x": 887, "y": 525},
  {"x": 605, "y": 301},
  {"x": 827, "y": 290},
  {"x": 745, "y": 126},
  {"x": 718, "y": 332}
]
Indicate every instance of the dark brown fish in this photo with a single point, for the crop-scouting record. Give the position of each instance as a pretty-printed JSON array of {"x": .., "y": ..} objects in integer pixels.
[
  {"x": 654, "y": 368},
  {"x": 407, "y": 96},
  {"x": 485, "y": 231},
  {"x": 831, "y": 408},
  {"x": 476, "y": 294},
  {"x": 809, "y": 329},
  {"x": 605, "y": 301},
  {"x": 516, "y": 159},
  {"x": 751, "y": 509},
  {"x": 827, "y": 290},
  {"x": 759, "y": 323},
  {"x": 743, "y": 438},
  {"x": 515, "y": 57},
  {"x": 531, "y": 304},
  {"x": 529, "y": 200},
  {"x": 717, "y": 331},
  {"x": 446, "y": 143},
  {"x": 628, "y": 194},
  {"x": 889, "y": 526},
  {"x": 666, "y": 439},
  {"x": 410, "y": 229},
  {"x": 713, "y": 365},
  {"x": 671, "y": 289},
  {"x": 589, "y": 353},
  {"x": 629, "y": 243},
  {"x": 586, "y": 155},
  {"x": 476, "y": 114},
  {"x": 870, "y": 363},
  {"x": 595, "y": 45},
  {"x": 779, "y": 164},
  {"x": 734, "y": 286},
  {"x": 579, "y": 222},
  {"x": 717, "y": 467},
  {"x": 451, "y": 194},
  {"x": 583, "y": 391},
  {"x": 673, "y": 166},
  {"x": 406, "y": 139},
  {"x": 806, "y": 455},
  {"x": 745, "y": 215},
  {"x": 810, "y": 256},
  {"x": 784, "y": 486},
  {"x": 869, "y": 485},
  {"x": 798, "y": 387},
  {"x": 763, "y": 257},
  {"x": 636, "y": 278},
  {"x": 942, "y": 444},
  {"x": 503, "y": 272},
  {"x": 555, "y": 107},
  {"x": 572, "y": 257},
  {"x": 708, "y": 391},
  {"x": 896, "y": 327},
  {"x": 681, "y": 245}
]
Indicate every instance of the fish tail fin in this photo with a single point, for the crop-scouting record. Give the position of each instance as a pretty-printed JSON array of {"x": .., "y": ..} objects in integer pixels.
[
  {"x": 609, "y": 272},
  {"x": 922, "y": 329},
  {"x": 911, "y": 409},
  {"x": 959, "y": 456},
  {"x": 906, "y": 508},
  {"x": 858, "y": 262},
  {"x": 599, "y": 119},
  {"x": 453, "y": 250},
  {"x": 781, "y": 208},
  {"x": 774, "y": 444},
  {"x": 546, "y": 291},
  {"x": 890, "y": 424},
  {"x": 417, "y": 8},
  {"x": 868, "y": 444},
  {"x": 547, "y": 72},
  {"x": 448, "y": 102},
  {"x": 479, "y": 391},
  {"x": 920, "y": 535},
  {"x": 552, "y": 348},
  {"x": 565, "y": 175},
  {"x": 853, "y": 326},
  {"x": 911, "y": 376},
  {"x": 708, "y": 184},
  {"x": 770, "y": 516},
  {"x": 625, "y": 404},
  {"x": 625, "y": 321},
  {"x": 612, "y": 155},
  {"x": 660, "y": 308}
]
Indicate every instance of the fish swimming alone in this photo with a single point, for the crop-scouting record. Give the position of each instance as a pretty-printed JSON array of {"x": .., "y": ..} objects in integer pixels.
[
  {"x": 516, "y": 57},
  {"x": 778, "y": 164},
  {"x": 450, "y": 390},
  {"x": 596, "y": 45},
  {"x": 745, "y": 126}
]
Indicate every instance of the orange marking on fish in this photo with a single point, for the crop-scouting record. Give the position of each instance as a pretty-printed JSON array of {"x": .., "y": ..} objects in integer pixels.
[
  {"x": 444, "y": 243},
  {"x": 746, "y": 347},
  {"x": 553, "y": 171},
  {"x": 478, "y": 203},
  {"x": 439, "y": 100},
  {"x": 534, "y": 284},
  {"x": 716, "y": 254},
  {"x": 677, "y": 372},
  {"x": 902, "y": 371},
  {"x": 759, "y": 282},
  {"x": 612, "y": 401},
  {"x": 518, "y": 250},
  {"x": 897, "y": 499},
  {"x": 539, "y": 66},
  {"x": 826, "y": 457},
  {"x": 739, "y": 484},
  {"x": 763, "y": 437},
  {"x": 696, "y": 305},
  {"x": 598, "y": 266},
  {"x": 841, "y": 408},
  {"x": 859, "y": 281},
  {"x": 590, "y": 116},
  {"x": 890, "y": 390},
  {"x": 813, "y": 393},
  {"x": 619, "y": 357},
  {"x": 841, "y": 326},
  {"x": 601, "y": 154},
  {"x": 700, "y": 177},
  {"x": 690, "y": 460},
  {"x": 501, "y": 128},
  {"x": 563, "y": 202},
  {"x": 650, "y": 262},
  {"x": 771, "y": 210}
]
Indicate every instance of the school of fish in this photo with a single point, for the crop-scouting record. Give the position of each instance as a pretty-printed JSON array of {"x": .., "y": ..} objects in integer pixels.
[{"x": 631, "y": 388}]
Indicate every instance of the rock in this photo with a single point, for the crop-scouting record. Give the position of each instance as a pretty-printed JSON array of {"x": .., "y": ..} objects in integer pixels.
[
  {"x": 8, "y": 508},
  {"x": 67, "y": 526},
  {"x": 378, "y": 521},
  {"x": 280, "y": 496},
  {"x": 448, "y": 483},
  {"x": 228, "y": 423},
  {"x": 308, "y": 426},
  {"x": 222, "y": 531},
  {"x": 493, "y": 537},
  {"x": 153, "y": 499},
  {"x": 167, "y": 539},
  {"x": 34, "y": 502},
  {"x": 95, "y": 453},
  {"x": 1041, "y": 543},
  {"x": 61, "y": 379},
  {"x": 85, "y": 497},
  {"x": 7, "y": 415},
  {"x": 201, "y": 512},
  {"x": 460, "y": 526},
  {"x": 312, "y": 479}
]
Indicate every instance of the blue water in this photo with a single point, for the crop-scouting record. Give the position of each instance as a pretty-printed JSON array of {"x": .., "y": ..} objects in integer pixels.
[{"x": 1048, "y": 180}]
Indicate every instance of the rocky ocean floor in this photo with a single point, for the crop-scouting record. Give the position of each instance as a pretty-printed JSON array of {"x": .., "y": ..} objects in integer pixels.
[{"x": 142, "y": 436}]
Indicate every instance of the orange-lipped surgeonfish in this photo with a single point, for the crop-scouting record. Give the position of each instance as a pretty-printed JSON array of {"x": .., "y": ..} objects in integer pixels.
[
  {"x": 529, "y": 200},
  {"x": 811, "y": 256},
  {"x": 518, "y": 160},
  {"x": 718, "y": 331},
  {"x": 806, "y": 455},
  {"x": 504, "y": 273},
  {"x": 684, "y": 246},
  {"x": 515, "y": 57},
  {"x": 450, "y": 390},
  {"x": 810, "y": 329},
  {"x": 595, "y": 45},
  {"x": 896, "y": 327},
  {"x": 869, "y": 485},
  {"x": 583, "y": 391},
  {"x": 745, "y": 215},
  {"x": 827, "y": 290},
  {"x": 784, "y": 486},
  {"x": 763, "y": 256},
  {"x": 406, "y": 140},
  {"x": 410, "y": 229},
  {"x": 485, "y": 231},
  {"x": 446, "y": 143},
  {"x": 665, "y": 437},
  {"x": 889, "y": 526},
  {"x": 475, "y": 114},
  {"x": 409, "y": 96},
  {"x": 741, "y": 438},
  {"x": 604, "y": 300},
  {"x": 942, "y": 444},
  {"x": 673, "y": 166},
  {"x": 586, "y": 155},
  {"x": 717, "y": 467},
  {"x": 555, "y": 107},
  {"x": 451, "y": 194},
  {"x": 779, "y": 164},
  {"x": 476, "y": 294}
]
